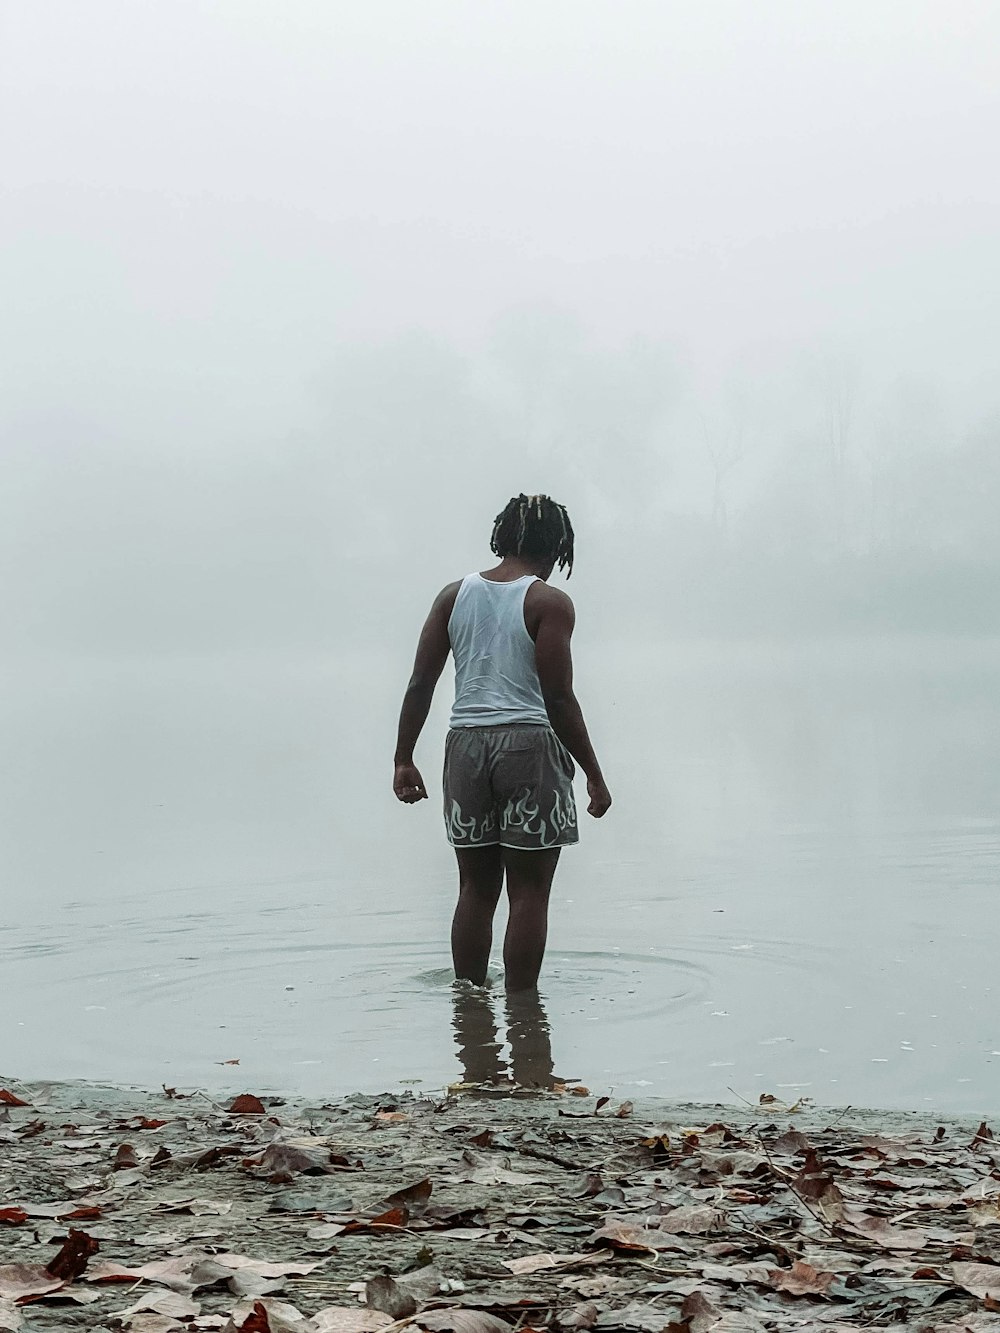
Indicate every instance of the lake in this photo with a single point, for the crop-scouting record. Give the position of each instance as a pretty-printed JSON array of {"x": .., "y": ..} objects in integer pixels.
[{"x": 795, "y": 891}]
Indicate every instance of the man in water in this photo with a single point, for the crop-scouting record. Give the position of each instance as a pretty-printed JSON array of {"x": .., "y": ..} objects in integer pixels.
[{"x": 508, "y": 794}]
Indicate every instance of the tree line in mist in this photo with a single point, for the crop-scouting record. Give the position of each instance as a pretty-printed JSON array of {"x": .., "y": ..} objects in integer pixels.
[{"x": 809, "y": 499}]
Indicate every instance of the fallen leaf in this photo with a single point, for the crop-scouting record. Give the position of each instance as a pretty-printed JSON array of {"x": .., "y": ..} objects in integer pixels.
[
  {"x": 349, "y": 1319},
  {"x": 154, "y": 1323},
  {"x": 247, "y": 1104},
  {"x": 414, "y": 1198},
  {"x": 9, "y": 1099},
  {"x": 815, "y": 1182},
  {"x": 800, "y": 1280},
  {"x": 196, "y": 1206},
  {"x": 162, "y": 1302},
  {"x": 267, "y": 1316},
  {"x": 462, "y": 1321},
  {"x": 74, "y": 1255},
  {"x": 738, "y": 1274},
  {"x": 883, "y": 1233},
  {"x": 492, "y": 1173},
  {"x": 11, "y": 1318},
  {"x": 286, "y": 1159},
  {"x": 385, "y": 1294},
  {"x": 698, "y": 1315},
  {"x": 13, "y": 1217},
  {"x": 125, "y": 1158},
  {"x": 791, "y": 1144},
  {"x": 980, "y": 1280},
  {"x": 694, "y": 1220},
  {"x": 633, "y": 1237},
  {"x": 624, "y": 1111},
  {"x": 537, "y": 1263},
  {"x": 170, "y": 1272},
  {"x": 24, "y": 1281},
  {"x": 582, "y": 1316},
  {"x": 394, "y": 1217}
]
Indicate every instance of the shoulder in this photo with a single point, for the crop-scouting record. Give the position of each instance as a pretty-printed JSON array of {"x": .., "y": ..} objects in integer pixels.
[
  {"x": 547, "y": 598},
  {"x": 551, "y": 605},
  {"x": 444, "y": 602}
]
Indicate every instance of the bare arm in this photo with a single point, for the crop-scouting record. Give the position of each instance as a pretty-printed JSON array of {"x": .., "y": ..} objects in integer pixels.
[
  {"x": 554, "y": 662},
  {"x": 432, "y": 653}
]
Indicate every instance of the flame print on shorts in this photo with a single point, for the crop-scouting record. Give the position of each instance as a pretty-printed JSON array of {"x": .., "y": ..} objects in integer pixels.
[
  {"x": 527, "y": 818},
  {"x": 469, "y": 832}
]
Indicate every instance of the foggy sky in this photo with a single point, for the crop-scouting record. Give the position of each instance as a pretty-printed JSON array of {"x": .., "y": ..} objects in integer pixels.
[{"x": 280, "y": 280}]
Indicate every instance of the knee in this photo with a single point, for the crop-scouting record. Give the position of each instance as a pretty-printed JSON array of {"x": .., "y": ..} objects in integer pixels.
[{"x": 476, "y": 891}]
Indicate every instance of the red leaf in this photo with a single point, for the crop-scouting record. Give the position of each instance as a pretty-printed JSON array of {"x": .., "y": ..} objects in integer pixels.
[
  {"x": 72, "y": 1258},
  {"x": 125, "y": 1158},
  {"x": 9, "y": 1099},
  {"x": 257, "y": 1322},
  {"x": 143, "y": 1122},
  {"x": 247, "y": 1104},
  {"x": 14, "y": 1217}
]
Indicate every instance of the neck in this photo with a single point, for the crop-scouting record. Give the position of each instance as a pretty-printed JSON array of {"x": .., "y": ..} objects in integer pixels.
[{"x": 516, "y": 566}]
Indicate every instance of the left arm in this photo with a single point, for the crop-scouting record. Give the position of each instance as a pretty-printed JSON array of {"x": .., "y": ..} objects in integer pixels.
[{"x": 432, "y": 653}]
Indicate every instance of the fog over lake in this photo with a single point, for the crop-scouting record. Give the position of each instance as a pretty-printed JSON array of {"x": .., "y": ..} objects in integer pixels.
[{"x": 294, "y": 299}]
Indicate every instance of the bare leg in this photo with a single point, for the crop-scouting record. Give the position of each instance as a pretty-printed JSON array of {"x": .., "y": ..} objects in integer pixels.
[
  {"x": 480, "y": 878},
  {"x": 529, "y": 879}
]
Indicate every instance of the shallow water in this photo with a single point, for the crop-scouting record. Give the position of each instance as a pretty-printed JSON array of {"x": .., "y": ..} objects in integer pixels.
[{"x": 795, "y": 891}]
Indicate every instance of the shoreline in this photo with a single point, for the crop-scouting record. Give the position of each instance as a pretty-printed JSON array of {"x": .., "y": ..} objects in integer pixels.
[{"x": 552, "y": 1210}]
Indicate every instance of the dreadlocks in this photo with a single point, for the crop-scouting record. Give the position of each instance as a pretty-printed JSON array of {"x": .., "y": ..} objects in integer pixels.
[{"x": 534, "y": 525}]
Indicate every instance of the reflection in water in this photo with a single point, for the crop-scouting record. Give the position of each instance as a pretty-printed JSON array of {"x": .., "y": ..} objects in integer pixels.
[{"x": 479, "y": 1047}]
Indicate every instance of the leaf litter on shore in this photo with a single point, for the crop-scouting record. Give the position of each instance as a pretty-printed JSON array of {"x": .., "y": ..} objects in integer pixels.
[{"x": 470, "y": 1214}]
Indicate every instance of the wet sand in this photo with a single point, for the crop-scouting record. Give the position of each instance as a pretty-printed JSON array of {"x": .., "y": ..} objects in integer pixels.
[{"x": 541, "y": 1209}]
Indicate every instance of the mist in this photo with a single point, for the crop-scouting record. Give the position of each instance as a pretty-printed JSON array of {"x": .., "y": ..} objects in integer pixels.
[{"x": 295, "y": 297}]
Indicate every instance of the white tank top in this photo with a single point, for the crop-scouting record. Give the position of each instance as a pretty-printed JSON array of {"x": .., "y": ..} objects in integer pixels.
[{"x": 496, "y": 680}]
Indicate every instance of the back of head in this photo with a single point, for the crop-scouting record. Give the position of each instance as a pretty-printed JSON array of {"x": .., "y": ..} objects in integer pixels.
[{"x": 535, "y": 527}]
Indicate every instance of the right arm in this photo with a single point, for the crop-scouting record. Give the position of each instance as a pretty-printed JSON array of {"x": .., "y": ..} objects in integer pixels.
[{"x": 554, "y": 662}]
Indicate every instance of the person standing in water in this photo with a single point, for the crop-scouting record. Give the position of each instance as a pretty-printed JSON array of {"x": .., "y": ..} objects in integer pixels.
[{"x": 508, "y": 770}]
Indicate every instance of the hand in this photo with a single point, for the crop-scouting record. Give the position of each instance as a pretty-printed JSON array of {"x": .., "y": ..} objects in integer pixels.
[
  {"x": 600, "y": 797},
  {"x": 408, "y": 784}
]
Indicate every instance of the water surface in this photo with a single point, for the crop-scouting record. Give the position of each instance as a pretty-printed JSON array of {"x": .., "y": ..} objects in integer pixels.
[{"x": 795, "y": 891}]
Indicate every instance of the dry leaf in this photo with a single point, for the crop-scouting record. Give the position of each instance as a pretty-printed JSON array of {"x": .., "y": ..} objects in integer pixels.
[
  {"x": 267, "y": 1316},
  {"x": 884, "y": 1233},
  {"x": 247, "y": 1104},
  {"x": 11, "y": 1318},
  {"x": 630, "y": 1236},
  {"x": 462, "y": 1321},
  {"x": 74, "y": 1255},
  {"x": 981, "y": 1280},
  {"x": 154, "y": 1323},
  {"x": 537, "y": 1263},
  {"x": 18, "y": 1281},
  {"x": 800, "y": 1280},
  {"x": 413, "y": 1198},
  {"x": 164, "y": 1303},
  {"x": 698, "y": 1315},
  {"x": 349, "y": 1319}
]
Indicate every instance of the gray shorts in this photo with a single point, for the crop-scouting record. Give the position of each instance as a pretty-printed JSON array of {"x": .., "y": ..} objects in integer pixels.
[{"x": 511, "y": 785}]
